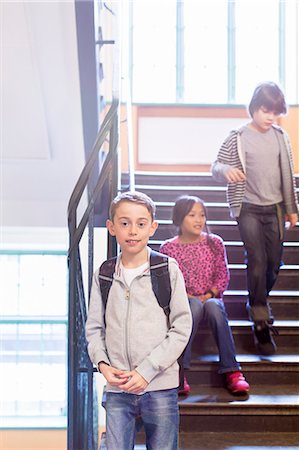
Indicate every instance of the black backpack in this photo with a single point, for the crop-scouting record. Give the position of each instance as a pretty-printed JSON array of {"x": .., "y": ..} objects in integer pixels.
[
  {"x": 159, "y": 277},
  {"x": 160, "y": 282}
]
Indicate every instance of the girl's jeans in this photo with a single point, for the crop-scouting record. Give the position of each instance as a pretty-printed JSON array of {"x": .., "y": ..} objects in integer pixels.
[
  {"x": 158, "y": 411},
  {"x": 213, "y": 311},
  {"x": 261, "y": 229}
]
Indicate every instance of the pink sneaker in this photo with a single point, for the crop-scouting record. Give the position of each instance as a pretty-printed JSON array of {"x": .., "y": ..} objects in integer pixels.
[
  {"x": 186, "y": 389},
  {"x": 236, "y": 383}
]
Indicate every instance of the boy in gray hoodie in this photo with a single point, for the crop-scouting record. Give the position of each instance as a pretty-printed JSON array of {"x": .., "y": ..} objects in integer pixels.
[{"x": 132, "y": 342}]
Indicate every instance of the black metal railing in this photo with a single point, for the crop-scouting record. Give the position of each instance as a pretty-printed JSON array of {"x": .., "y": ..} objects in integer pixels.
[{"x": 82, "y": 415}]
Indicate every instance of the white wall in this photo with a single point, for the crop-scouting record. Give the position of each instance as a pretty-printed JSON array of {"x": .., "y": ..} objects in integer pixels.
[
  {"x": 42, "y": 151},
  {"x": 182, "y": 140}
]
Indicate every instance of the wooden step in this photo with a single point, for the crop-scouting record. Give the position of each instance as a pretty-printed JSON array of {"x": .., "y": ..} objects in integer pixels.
[
  {"x": 227, "y": 229},
  {"x": 223, "y": 441},
  {"x": 171, "y": 193},
  {"x": 174, "y": 178},
  {"x": 266, "y": 408},
  {"x": 287, "y": 340},
  {"x": 288, "y": 277},
  {"x": 215, "y": 211},
  {"x": 284, "y": 304},
  {"x": 194, "y": 440},
  {"x": 259, "y": 370},
  {"x": 235, "y": 440}
]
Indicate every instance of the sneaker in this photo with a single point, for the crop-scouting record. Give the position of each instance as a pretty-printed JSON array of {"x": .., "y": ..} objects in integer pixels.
[
  {"x": 186, "y": 389},
  {"x": 236, "y": 383},
  {"x": 263, "y": 338}
]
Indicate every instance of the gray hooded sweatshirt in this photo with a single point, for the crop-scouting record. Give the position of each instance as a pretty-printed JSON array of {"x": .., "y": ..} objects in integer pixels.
[{"x": 136, "y": 333}]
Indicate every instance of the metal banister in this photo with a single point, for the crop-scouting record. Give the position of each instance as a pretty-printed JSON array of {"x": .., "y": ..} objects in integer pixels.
[
  {"x": 82, "y": 402},
  {"x": 86, "y": 172}
]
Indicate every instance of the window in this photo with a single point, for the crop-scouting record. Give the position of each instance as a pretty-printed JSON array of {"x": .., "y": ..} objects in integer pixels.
[
  {"x": 257, "y": 45},
  {"x": 154, "y": 50},
  {"x": 213, "y": 52},
  {"x": 33, "y": 325}
]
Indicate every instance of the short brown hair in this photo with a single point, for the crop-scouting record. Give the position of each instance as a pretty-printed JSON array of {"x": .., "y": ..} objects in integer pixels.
[
  {"x": 134, "y": 197},
  {"x": 270, "y": 96}
]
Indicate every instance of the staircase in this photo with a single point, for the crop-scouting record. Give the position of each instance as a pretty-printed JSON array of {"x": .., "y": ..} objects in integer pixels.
[{"x": 212, "y": 418}]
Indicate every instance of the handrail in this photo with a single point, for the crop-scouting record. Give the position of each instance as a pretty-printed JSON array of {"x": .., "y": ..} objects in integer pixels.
[
  {"x": 82, "y": 181},
  {"x": 82, "y": 429}
]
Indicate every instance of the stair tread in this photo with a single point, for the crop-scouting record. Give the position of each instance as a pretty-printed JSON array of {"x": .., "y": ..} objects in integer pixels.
[
  {"x": 249, "y": 359},
  {"x": 277, "y": 323},
  {"x": 274, "y": 293},
  {"x": 261, "y": 396},
  {"x": 180, "y": 188}
]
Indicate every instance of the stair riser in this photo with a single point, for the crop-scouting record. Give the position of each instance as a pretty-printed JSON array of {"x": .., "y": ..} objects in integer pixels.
[
  {"x": 288, "y": 279},
  {"x": 181, "y": 179},
  {"x": 172, "y": 180},
  {"x": 213, "y": 213},
  {"x": 241, "y": 423},
  {"x": 213, "y": 379},
  {"x": 170, "y": 195},
  {"x": 283, "y": 310},
  {"x": 227, "y": 232},
  {"x": 204, "y": 343}
]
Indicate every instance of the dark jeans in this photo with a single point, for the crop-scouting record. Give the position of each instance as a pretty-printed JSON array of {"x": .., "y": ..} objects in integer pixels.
[{"x": 261, "y": 230}]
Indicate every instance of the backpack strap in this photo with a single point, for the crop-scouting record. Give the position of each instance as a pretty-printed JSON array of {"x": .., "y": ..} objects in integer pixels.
[
  {"x": 106, "y": 272},
  {"x": 159, "y": 277},
  {"x": 160, "y": 280}
]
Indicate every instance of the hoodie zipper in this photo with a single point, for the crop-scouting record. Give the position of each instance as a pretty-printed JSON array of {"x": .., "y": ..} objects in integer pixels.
[{"x": 127, "y": 298}]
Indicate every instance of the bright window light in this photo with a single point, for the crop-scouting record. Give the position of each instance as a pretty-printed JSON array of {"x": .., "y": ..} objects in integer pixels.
[
  {"x": 33, "y": 327},
  {"x": 213, "y": 52}
]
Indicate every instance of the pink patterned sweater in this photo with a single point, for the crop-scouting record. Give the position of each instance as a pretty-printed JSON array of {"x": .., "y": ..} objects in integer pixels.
[{"x": 202, "y": 268}]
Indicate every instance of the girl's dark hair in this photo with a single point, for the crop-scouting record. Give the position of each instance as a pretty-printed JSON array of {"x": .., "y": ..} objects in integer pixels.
[
  {"x": 270, "y": 96},
  {"x": 181, "y": 209}
]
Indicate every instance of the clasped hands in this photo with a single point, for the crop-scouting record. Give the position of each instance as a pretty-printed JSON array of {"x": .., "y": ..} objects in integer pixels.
[{"x": 128, "y": 381}]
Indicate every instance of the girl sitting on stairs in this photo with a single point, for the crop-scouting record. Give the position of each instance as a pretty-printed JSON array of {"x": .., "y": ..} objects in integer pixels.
[{"x": 202, "y": 259}]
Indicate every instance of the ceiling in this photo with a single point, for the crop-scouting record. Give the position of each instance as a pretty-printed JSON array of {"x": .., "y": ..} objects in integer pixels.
[{"x": 42, "y": 145}]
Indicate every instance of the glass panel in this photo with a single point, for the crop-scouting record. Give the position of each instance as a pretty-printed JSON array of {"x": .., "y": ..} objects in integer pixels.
[
  {"x": 33, "y": 367},
  {"x": 33, "y": 355},
  {"x": 34, "y": 285},
  {"x": 257, "y": 55},
  {"x": 154, "y": 51},
  {"x": 205, "y": 51}
]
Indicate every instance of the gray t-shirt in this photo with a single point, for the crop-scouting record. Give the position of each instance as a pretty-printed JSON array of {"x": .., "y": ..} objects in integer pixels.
[{"x": 263, "y": 175}]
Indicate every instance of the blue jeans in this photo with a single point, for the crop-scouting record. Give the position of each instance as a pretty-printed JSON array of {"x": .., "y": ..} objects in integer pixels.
[
  {"x": 261, "y": 229},
  {"x": 158, "y": 411},
  {"x": 213, "y": 311}
]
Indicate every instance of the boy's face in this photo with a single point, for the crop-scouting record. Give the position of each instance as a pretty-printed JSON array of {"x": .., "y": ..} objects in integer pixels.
[
  {"x": 263, "y": 119},
  {"x": 132, "y": 226}
]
